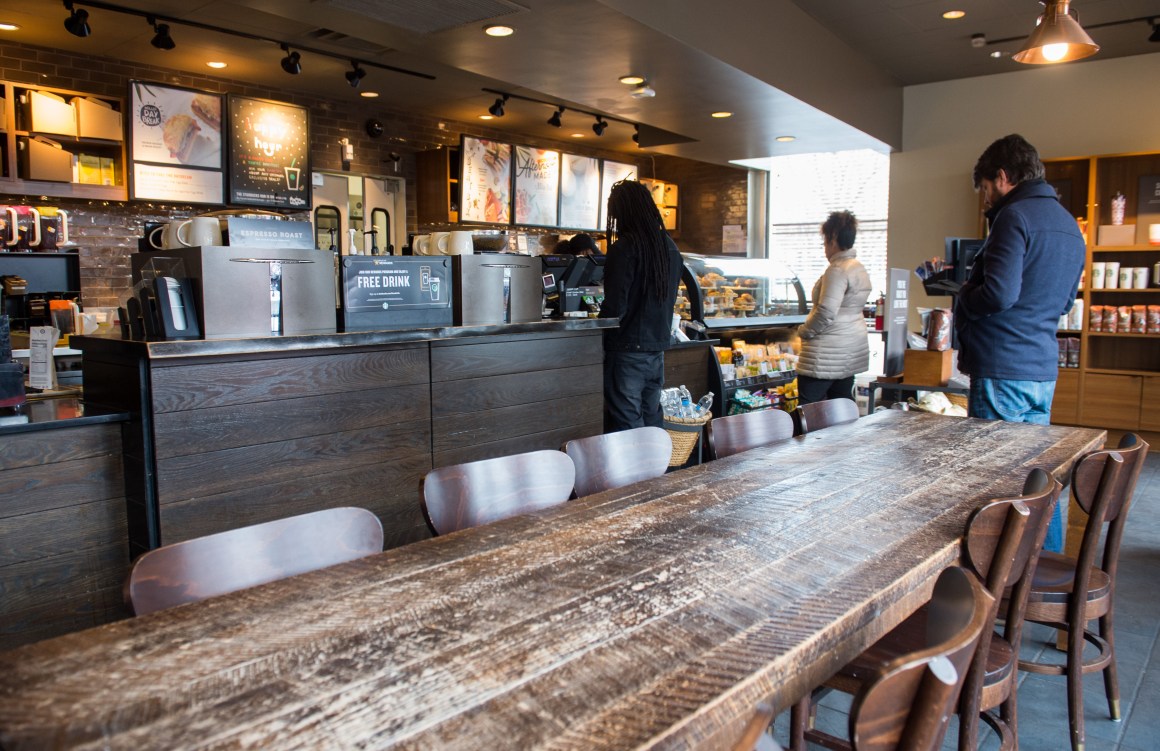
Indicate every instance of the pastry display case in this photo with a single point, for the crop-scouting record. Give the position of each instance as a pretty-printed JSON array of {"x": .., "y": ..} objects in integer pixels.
[{"x": 724, "y": 292}]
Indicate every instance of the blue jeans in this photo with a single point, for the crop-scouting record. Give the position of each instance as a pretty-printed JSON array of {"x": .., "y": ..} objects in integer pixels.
[
  {"x": 632, "y": 389},
  {"x": 1018, "y": 401}
]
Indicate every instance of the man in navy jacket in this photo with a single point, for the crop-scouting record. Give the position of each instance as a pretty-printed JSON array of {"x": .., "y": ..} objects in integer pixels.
[{"x": 1024, "y": 277}]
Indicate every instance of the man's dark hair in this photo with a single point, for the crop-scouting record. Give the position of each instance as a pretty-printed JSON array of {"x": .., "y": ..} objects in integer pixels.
[
  {"x": 841, "y": 227},
  {"x": 632, "y": 214},
  {"x": 1014, "y": 155}
]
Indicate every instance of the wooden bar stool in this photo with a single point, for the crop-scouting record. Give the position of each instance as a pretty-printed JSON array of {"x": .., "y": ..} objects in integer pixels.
[
  {"x": 1068, "y": 592},
  {"x": 736, "y": 433},
  {"x": 467, "y": 495},
  {"x": 228, "y": 561},
  {"x": 614, "y": 460},
  {"x": 823, "y": 414}
]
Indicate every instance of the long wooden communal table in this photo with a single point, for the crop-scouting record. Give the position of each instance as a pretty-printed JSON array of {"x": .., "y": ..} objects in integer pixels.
[{"x": 654, "y": 616}]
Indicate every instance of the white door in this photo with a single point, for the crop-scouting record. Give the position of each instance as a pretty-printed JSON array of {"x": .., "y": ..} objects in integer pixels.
[
  {"x": 386, "y": 211},
  {"x": 333, "y": 191}
]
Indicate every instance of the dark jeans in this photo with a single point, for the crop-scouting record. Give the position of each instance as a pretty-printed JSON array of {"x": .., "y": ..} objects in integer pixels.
[
  {"x": 812, "y": 390},
  {"x": 632, "y": 389}
]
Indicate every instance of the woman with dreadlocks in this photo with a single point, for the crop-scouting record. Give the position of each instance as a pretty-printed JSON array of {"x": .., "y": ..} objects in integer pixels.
[{"x": 640, "y": 288}]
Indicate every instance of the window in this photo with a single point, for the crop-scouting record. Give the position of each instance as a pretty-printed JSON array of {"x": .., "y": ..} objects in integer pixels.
[{"x": 805, "y": 188}]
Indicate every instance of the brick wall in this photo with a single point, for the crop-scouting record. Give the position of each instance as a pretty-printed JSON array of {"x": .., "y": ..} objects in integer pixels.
[{"x": 106, "y": 232}]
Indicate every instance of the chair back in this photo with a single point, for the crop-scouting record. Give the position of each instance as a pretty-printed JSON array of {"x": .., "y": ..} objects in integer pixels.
[
  {"x": 467, "y": 495},
  {"x": 909, "y": 702},
  {"x": 228, "y": 561},
  {"x": 1103, "y": 483},
  {"x": 736, "y": 433},
  {"x": 823, "y": 414},
  {"x": 616, "y": 459},
  {"x": 1004, "y": 537}
]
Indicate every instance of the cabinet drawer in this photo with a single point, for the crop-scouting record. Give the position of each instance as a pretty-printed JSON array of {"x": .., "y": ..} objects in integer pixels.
[
  {"x": 1111, "y": 401},
  {"x": 1150, "y": 405},
  {"x": 1065, "y": 405}
]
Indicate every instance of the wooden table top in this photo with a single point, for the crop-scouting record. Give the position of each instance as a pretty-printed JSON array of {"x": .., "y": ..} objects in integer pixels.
[{"x": 655, "y": 616}]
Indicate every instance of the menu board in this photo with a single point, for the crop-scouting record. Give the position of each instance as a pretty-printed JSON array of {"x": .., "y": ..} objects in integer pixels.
[
  {"x": 579, "y": 192},
  {"x": 175, "y": 144},
  {"x": 613, "y": 173},
  {"x": 269, "y": 153},
  {"x": 537, "y": 186},
  {"x": 486, "y": 181}
]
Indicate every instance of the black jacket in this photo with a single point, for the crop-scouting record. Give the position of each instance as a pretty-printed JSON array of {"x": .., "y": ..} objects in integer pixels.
[{"x": 644, "y": 322}]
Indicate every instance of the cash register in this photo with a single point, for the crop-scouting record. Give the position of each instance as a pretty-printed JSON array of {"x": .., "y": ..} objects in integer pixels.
[{"x": 573, "y": 285}]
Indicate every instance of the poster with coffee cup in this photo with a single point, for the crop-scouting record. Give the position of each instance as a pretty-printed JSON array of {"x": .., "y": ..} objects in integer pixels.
[
  {"x": 1148, "y": 211},
  {"x": 269, "y": 154}
]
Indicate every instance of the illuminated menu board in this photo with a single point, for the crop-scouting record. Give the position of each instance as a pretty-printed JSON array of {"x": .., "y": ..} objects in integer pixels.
[
  {"x": 175, "y": 144},
  {"x": 486, "y": 182},
  {"x": 579, "y": 192},
  {"x": 269, "y": 154},
  {"x": 613, "y": 173},
  {"x": 537, "y": 175}
]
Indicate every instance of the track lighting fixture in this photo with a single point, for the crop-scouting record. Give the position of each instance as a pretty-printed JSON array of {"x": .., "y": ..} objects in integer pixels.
[
  {"x": 1155, "y": 32},
  {"x": 496, "y": 109},
  {"x": 599, "y": 126},
  {"x": 554, "y": 120},
  {"x": 161, "y": 39},
  {"x": 355, "y": 75},
  {"x": 1058, "y": 38},
  {"x": 636, "y": 134},
  {"x": 77, "y": 23},
  {"x": 292, "y": 63}
]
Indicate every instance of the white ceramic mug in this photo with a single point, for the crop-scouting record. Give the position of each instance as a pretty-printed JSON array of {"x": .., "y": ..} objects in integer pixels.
[
  {"x": 460, "y": 243},
  {"x": 421, "y": 245},
  {"x": 201, "y": 230},
  {"x": 1111, "y": 275},
  {"x": 164, "y": 236},
  {"x": 1098, "y": 271},
  {"x": 438, "y": 246}
]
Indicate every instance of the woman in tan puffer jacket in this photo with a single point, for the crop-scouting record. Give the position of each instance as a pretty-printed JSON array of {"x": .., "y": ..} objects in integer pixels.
[{"x": 834, "y": 344}]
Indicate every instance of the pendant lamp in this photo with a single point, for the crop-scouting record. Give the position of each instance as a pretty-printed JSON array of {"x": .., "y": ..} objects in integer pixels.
[{"x": 1057, "y": 39}]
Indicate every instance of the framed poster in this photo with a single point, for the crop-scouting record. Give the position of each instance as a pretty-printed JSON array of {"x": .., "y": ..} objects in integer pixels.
[
  {"x": 485, "y": 184},
  {"x": 269, "y": 154},
  {"x": 1148, "y": 211},
  {"x": 537, "y": 186},
  {"x": 579, "y": 192},
  {"x": 175, "y": 144},
  {"x": 612, "y": 173}
]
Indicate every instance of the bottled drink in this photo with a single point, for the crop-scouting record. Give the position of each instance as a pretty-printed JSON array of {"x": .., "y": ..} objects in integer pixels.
[{"x": 704, "y": 404}]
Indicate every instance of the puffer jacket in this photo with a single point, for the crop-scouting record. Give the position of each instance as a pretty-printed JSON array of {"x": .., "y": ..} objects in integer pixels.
[{"x": 834, "y": 342}]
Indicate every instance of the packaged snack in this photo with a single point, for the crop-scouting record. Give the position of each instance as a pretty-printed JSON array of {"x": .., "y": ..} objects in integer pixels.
[
  {"x": 1109, "y": 319},
  {"x": 1153, "y": 324},
  {"x": 1062, "y": 342},
  {"x": 1096, "y": 318},
  {"x": 1075, "y": 316},
  {"x": 1139, "y": 319},
  {"x": 1072, "y": 352},
  {"x": 938, "y": 338},
  {"x": 1124, "y": 319}
]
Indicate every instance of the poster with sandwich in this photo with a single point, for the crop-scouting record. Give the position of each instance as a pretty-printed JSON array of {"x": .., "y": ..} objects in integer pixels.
[
  {"x": 269, "y": 154},
  {"x": 175, "y": 145}
]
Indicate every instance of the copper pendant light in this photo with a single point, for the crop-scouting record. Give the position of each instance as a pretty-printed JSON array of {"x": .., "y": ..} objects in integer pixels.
[{"x": 1057, "y": 39}]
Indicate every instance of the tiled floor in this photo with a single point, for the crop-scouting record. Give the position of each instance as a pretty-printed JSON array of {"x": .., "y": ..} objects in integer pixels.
[{"x": 1043, "y": 699}]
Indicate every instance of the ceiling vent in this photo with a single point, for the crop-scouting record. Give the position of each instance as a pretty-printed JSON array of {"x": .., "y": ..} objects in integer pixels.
[
  {"x": 350, "y": 45},
  {"x": 426, "y": 17}
]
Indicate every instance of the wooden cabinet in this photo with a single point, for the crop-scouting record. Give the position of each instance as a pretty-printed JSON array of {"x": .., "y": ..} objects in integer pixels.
[
  {"x": 1065, "y": 405},
  {"x": 437, "y": 199},
  {"x": 61, "y": 143}
]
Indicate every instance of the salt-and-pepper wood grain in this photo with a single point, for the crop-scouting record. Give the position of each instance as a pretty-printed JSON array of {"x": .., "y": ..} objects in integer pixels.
[{"x": 645, "y": 617}]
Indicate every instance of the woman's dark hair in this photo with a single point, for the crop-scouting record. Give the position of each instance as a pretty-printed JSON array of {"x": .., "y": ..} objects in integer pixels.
[
  {"x": 1014, "y": 155},
  {"x": 583, "y": 244},
  {"x": 842, "y": 228},
  {"x": 632, "y": 214}
]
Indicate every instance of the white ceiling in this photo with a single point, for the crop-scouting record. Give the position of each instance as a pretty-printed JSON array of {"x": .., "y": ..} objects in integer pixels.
[{"x": 829, "y": 72}]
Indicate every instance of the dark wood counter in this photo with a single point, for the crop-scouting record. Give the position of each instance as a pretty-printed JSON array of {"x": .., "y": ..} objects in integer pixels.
[{"x": 653, "y": 616}]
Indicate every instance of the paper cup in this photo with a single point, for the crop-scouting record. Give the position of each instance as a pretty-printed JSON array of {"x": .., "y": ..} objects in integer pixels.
[
  {"x": 1111, "y": 275},
  {"x": 1097, "y": 281},
  {"x": 1140, "y": 277},
  {"x": 1126, "y": 277}
]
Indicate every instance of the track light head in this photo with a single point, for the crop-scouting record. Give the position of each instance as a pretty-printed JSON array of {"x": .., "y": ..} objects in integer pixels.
[
  {"x": 599, "y": 126},
  {"x": 496, "y": 109},
  {"x": 554, "y": 120},
  {"x": 292, "y": 63},
  {"x": 636, "y": 134},
  {"x": 77, "y": 23},
  {"x": 355, "y": 75},
  {"x": 161, "y": 38},
  {"x": 1155, "y": 32}
]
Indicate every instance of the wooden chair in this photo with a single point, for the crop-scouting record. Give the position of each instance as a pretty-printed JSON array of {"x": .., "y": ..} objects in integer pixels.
[
  {"x": 1068, "y": 592},
  {"x": 905, "y": 703},
  {"x": 228, "y": 561},
  {"x": 1001, "y": 546},
  {"x": 467, "y": 495},
  {"x": 754, "y": 737},
  {"x": 736, "y": 433},
  {"x": 616, "y": 459},
  {"x": 818, "y": 415}
]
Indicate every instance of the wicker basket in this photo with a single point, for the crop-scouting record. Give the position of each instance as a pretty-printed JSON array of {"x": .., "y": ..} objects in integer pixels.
[{"x": 684, "y": 431}]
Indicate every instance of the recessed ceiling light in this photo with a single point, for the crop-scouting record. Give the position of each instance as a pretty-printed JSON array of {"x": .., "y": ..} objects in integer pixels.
[
  {"x": 487, "y": 117},
  {"x": 5, "y": 26},
  {"x": 722, "y": 114},
  {"x": 369, "y": 94},
  {"x": 499, "y": 31},
  {"x": 631, "y": 80},
  {"x": 577, "y": 135},
  {"x": 785, "y": 139},
  {"x": 218, "y": 64},
  {"x": 952, "y": 15}
]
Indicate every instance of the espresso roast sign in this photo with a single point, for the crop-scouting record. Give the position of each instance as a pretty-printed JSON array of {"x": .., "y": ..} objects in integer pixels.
[{"x": 269, "y": 154}]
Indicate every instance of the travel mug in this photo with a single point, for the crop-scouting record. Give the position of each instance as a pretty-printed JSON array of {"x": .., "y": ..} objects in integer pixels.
[
  {"x": 1140, "y": 277},
  {"x": 1111, "y": 275},
  {"x": 1126, "y": 277},
  {"x": 1097, "y": 281}
]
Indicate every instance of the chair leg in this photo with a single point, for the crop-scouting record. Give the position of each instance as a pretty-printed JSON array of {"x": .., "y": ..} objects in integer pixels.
[
  {"x": 969, "y": 723},
  {"x": 1075, "y": 643},
  {"x": 1111, "y": 681},
  {"x": 1009, "y": 713},
  {"x": 798, "y": 717}
]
